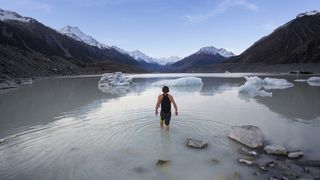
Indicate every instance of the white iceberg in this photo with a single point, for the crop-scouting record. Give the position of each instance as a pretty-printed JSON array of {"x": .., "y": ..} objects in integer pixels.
[
  {"x": 254, "y": 86},
  {"x": 312, "y": 81},
  {"x": 114, "y": 79},
  {"x": 184, "y": 81}
]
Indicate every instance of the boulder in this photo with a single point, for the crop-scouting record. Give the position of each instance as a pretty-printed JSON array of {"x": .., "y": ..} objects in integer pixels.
[
  {"x": 275, "y": 150},
  {"x": 1, "y": 141},
  {"x": 199, "y": 144},
  {"x": 248, "y": 135},
  {"x": 295, "y": 154}
]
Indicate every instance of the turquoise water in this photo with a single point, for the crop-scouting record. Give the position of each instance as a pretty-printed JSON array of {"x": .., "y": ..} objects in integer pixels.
[{"x": 69, "y": 129}]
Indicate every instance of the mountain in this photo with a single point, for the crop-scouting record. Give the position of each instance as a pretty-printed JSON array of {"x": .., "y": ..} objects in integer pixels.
[
  {"x": 29, "y": 48},
  {"x": 76, "y": 34},
  {"x": 297, "y": 41},
  {"x": 168, "y": 61},
  {"x": 205, "y": 56}
]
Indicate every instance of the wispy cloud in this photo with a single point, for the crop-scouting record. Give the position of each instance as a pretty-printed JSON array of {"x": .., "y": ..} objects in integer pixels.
[{"x": 222, "y": 8}]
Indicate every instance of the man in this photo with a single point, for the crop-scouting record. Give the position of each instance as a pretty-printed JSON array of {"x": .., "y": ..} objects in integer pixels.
[{"x": 165, "y": 101}]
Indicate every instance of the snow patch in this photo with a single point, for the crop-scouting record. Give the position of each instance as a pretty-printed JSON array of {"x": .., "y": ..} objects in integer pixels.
[
  {"x": 13, "y": 16},
  {"x": 309, "y": 13},
  {"x": 254, "y": 86},
  {"x": 185, "y": 81}
]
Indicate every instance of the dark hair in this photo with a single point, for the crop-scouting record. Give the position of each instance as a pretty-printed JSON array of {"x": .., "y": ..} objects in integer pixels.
[{"x": 165, "y": 89}]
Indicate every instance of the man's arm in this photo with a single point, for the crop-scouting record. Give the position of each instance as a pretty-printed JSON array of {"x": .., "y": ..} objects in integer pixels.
[
  {"x": 174, "y": 104},
  {"x": 158, "y": 104}
]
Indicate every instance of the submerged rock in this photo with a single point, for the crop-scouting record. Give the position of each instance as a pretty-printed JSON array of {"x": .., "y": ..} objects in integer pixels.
[
  {"x": 267, "y": 165},
  {"x": 199, "y": 144},
  {"x": 275, "y": 150},
  {"x": 162, "y": 162},
  {"x": 295, "y": 154},
  {"x": 248, "y": 152},
  {"x": 248, "y": 135},
  {"x": 246, "y": 162}
]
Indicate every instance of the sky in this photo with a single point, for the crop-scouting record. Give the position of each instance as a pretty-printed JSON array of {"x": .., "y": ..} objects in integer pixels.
[{"x": 163, "y": 28}]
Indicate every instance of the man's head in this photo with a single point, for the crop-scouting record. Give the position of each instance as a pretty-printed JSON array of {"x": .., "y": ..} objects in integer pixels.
[{"x": 165, "y": 89}]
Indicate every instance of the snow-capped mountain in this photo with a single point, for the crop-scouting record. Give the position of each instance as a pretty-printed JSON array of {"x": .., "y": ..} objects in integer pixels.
[
  {"x": 168, "y": 61},
  {"x": 309, "y": 13},
  {"x": 214, "y": 51},
  {"x": 13, "y": 16},
  {"x": 140, "y": 56},
  {"x": 76, "y": 34}
]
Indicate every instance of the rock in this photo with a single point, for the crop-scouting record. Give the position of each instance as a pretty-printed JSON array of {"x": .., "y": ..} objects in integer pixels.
[
  {"x": 247, "y": 162},
  {"x": 248, "y": 152},
  {"x": 267, "y": 165},
  {"x": 24, "y": 81},
  {"x": 311, "y": 163},
  {"x": 2, "y": 141},
  {"x": 6, "y": 84},
  {"x": 162, "y": 162},
  {"x": 213, "y": 161},
  {"x": 196, "y": 143},
  {"x": 248, "y": 135},
  {"x": 275, "y": 150},
  {"x": 295, "y": 154}
]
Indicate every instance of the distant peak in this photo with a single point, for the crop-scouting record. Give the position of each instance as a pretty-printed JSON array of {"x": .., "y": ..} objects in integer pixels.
[
  {"x": 308, "y": 13},
  {"x": 75, "y": 33},
  {"x": 13, "y": 16},
  {"x": 214, "y": 50}
]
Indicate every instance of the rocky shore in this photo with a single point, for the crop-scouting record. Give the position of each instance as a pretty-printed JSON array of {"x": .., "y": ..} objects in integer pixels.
[{"x": 268, "y": 161}]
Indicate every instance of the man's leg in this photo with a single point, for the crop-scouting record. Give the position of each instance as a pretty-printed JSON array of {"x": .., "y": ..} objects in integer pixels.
[{"x": 161, "y": 121}]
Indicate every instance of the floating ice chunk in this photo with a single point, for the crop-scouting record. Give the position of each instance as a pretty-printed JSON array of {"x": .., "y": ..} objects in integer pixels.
[
  {"x": 254, "y": 90},
  {"x": 278, "y": 82},
  {"x": 314, "y": 79},
  {"x": 185, "y": 81},
  {"x": 115, "y": 79},
  {"x": 254, "y": 86}
]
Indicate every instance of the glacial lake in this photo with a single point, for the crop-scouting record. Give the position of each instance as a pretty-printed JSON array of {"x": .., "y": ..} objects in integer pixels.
[{"x": 67, "y": 128}]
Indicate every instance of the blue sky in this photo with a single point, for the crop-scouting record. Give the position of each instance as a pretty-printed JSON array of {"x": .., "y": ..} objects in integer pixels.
[{"x": 163, "y": 28}]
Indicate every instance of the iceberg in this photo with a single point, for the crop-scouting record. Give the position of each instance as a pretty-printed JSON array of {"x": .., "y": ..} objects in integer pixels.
[
  {"x": 254, "y": 86},
  {"x": 312, "y": 81},
  {"x": 114, "y": 79},
  {"x": 180, "y": 82}
]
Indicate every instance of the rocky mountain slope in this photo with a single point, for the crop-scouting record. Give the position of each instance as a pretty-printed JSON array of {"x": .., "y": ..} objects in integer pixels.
[
  {"x": 297, "y": 41},
  {"x": 28, "y": 47}
]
